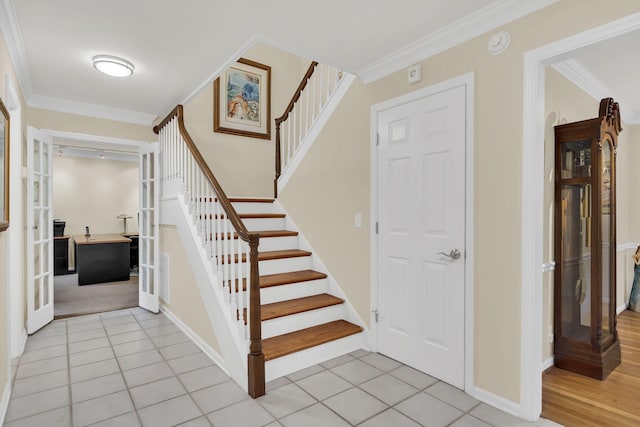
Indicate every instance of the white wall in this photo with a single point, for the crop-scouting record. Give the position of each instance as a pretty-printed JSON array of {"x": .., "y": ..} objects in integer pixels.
[{"x": 92, "y": 192}]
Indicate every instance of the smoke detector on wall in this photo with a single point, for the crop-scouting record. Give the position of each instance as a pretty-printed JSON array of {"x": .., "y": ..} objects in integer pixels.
[{"x": 499, "y": 42}]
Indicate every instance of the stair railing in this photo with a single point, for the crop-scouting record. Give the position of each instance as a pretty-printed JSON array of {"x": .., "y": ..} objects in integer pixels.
[
  {"x": 312, "y": 95},
  {"x": 232, "y": 249}
]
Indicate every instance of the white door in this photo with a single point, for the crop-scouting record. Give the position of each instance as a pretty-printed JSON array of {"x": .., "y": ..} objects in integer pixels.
[
  {"x": 148, "y": 245},
  {"x": 39, "y": 230},
  {"x": 421, "y": 240}
]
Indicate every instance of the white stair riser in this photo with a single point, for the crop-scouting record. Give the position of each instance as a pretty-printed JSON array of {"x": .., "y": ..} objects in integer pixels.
[
  {"x": 293, "y": 290},
  {"x": 291, "y": 363},
  {"x": 252, "y": 207},
  {"x": 278, "y": 243},
  {"x": 307, "y": 319},
  {"x": 260, "y": 224},
  {"x": 284, "y": 265}
]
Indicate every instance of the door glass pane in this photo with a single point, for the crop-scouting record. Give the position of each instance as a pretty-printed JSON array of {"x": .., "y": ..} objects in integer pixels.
[
  {"x": 45, "y": 159},
  {"x": 143, "y": 277},
  {"x": 37, "y": 145},
  {"x": 145, "y": 159},
  {"x": 576, "y": 267},
  {"x": 607, "y": 238},
  {"x": 151, "y": 253},
  {"x": 46, "y": 280},
  {"x": 151, "y": 224},
  {"x": 145, "y": 195},
  {"x": 152, "y": 201},
  {"x": 45, "y": 258},
  {"x": 44, "y": 187},
  {"x": 144, "y": 217},
  {"x": 576, "y": 159},
  {"x": 36, "y": 293},
  {"x": 152, "y": 171},
  {"x": 37, "y": 225},
  {"x": 36, "y": 190},
  {"x": 143, "y": 251},
  {"x": 37, "y": 260},
  {"x": 151, "y": 282}
]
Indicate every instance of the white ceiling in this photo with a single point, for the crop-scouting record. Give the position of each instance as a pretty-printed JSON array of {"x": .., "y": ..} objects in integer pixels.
[
  {"x": 178, "y": 46},
  {"x": 610, "y": 69}
]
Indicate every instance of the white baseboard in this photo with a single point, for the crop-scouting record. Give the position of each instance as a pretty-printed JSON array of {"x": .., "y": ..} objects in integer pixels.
[
  {"x": 546, "y": 364},
  {"x": 496, "y": 401},
  {"x": 622, "y": 307},
  {"x": 4, "y": 403},
  {"x": 206, "y": 348}
]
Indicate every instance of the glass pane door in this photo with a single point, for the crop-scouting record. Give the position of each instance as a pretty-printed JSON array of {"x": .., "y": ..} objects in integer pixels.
[{"x": 149, "y": 220}]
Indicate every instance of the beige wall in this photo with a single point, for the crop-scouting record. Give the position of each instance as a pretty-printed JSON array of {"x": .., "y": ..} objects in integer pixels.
[
  {"x": 92, "y": 192},
  {"x": 4, "y": 315},
  {"x": 498, "y": 154},
  {"x": 184, "y": 296},
  {"x": 54, "y": 120},
  {"x": 6, "y": 69},
  {"x": 245, "y": 166}
]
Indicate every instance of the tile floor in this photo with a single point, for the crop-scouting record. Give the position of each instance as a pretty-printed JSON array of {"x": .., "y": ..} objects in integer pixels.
[{"x": 132, "y": 368}]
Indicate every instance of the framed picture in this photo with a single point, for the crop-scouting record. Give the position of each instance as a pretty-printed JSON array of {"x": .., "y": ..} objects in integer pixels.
[
  {"x": 242, "y": 100},
  {"x": 4, "y": 167}
]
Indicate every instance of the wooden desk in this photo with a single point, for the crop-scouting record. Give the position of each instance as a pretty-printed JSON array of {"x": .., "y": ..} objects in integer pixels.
[{"x": 102, "y": 258}]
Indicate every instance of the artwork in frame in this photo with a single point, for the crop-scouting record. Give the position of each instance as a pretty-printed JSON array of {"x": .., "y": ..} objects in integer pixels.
[
  {"x": 242, "y": 100},
  {"x": 4, "y": 167}
]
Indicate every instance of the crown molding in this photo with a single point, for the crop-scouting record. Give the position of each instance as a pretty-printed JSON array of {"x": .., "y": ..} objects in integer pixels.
[
  {"x": 574, "y": 71},
  {"x": 480, "y": 22},
  {"x": 90, "y": 110},
  {"x": 15, "y": 45}
]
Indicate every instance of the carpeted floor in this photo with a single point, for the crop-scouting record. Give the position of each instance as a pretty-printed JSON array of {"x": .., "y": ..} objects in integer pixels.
[{"x": 69, "y": 299}]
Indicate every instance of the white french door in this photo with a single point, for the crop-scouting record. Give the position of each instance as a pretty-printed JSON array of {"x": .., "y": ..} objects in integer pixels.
[
  {"x": 39, "y": 230},
  {"x": 421, "y": 241},
  {"x": 148, "y": 227}
]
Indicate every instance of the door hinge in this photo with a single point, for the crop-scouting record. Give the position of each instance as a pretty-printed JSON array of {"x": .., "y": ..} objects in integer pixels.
[
  {"x": 377, "y": 139},
  {"x": 376, "y": 227},
  {"x": 375, "y": 314}
]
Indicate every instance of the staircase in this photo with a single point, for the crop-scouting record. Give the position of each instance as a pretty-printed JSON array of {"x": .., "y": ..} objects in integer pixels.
[
  {"x": 272, "y": 304},
  {"x": 298, "y": 310}
]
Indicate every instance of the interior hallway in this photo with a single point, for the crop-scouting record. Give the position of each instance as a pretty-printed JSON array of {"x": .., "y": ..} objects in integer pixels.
[{"x": 132, "y": 368}]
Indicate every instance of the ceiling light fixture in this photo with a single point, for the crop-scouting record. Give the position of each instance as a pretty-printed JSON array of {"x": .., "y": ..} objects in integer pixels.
[
  {"x": 113, "y": 66},
  {"x": 101, "y": 154},
  {"x": 60, "y": 152}
]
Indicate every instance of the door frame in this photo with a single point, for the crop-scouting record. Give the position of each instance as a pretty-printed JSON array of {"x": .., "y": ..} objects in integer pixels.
[
  {"x": 466, "y": 80},
  {"x": 535, "y": 62},
  {"x": 58, "y": 135}
]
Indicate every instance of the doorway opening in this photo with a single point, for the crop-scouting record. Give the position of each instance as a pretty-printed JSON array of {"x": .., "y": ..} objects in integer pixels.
[{"x": 533, "y": 195}]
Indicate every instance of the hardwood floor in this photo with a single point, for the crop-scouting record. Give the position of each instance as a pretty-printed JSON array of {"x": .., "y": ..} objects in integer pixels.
[{"x": 575, "y": 400}]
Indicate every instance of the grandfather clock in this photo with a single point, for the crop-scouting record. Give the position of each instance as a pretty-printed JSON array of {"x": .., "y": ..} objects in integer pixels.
[{"x": 586, "y": 339}]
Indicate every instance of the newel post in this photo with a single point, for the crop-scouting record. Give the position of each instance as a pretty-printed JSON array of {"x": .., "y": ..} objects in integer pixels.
[
  {"x": 278, "y": 164},
  {"x": 255, "y": 358}
]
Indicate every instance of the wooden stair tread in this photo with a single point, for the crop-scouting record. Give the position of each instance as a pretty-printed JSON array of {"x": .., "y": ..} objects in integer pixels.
[
  {"x": 292, "y": 342},
  {"x": 238, "y": 199},
  {"x": 250, "y": 200},
  {"x": 248, "y": 216},
  {"x": 271, "y": 255},
  {"x": 278, "y": 279},
  {"x": 269, "y": 280},
  {"x": 266, "y": 234},
  {"x": 298, "y": 305}
]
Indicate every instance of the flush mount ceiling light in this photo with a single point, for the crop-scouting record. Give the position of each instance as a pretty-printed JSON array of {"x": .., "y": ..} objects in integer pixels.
[{"x": 113, "y": 66}]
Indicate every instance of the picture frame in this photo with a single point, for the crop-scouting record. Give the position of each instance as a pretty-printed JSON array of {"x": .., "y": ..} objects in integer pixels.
[
  {"x": 4, "y": 167},
  {"x": 242, "y": 102}
]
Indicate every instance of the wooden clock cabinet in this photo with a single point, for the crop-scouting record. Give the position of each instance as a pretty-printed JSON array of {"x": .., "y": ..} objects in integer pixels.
[{"x": 586, "y": 340}]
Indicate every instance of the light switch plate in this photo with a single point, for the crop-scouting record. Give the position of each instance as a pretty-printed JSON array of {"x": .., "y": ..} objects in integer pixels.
[{"x": 414, "y": 73}]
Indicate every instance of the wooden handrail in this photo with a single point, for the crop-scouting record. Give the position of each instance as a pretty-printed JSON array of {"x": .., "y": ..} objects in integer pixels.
[
  {"x": 285, "y": 115},
  {"x": 255, "y": 358}
]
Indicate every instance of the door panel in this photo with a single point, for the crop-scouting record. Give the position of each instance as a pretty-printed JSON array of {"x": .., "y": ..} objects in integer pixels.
[
  {"x": 421, "y": 213},
  {"x": 39, "y": 230},
  {"x": 148, "y": 237}
]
